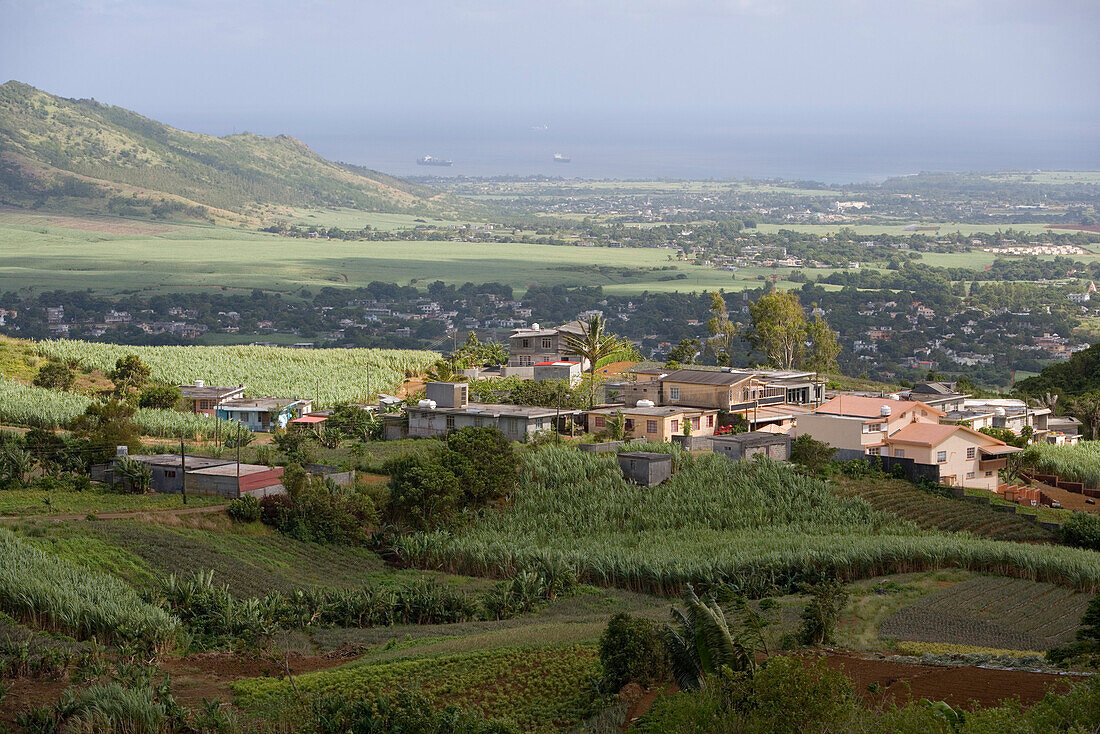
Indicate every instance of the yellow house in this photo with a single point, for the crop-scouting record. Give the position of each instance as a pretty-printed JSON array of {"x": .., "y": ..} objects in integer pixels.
[
  {"x": 964, "y": 456},
  {"x": 655, "y": 423}
]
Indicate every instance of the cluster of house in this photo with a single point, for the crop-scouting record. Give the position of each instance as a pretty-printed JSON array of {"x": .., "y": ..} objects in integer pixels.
[{"x": 929, "y": 431}]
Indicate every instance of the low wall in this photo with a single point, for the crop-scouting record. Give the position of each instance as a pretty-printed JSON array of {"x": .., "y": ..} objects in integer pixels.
[{"x": 605, "y": 447}]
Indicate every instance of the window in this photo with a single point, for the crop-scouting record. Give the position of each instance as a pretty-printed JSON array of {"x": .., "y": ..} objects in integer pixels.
[
  {"x": 450, "y": 423},
  {"x": 525, "y": 343},
  {"x": 695, "y": 423},
  {"x": 170, "y": 473},
  {"x": 971, "y": 452},
  {"x": 546, "y": 344},
  {"x": 874, "y": 451},
  {"x": 651, "y": 426},
  {"x": 600, "y": 421},
  {"x": 675, "y": 425},
  {"x": 941, "y": 457},
  {"x": 674, "y": 393},
  {"x": 628, "y": 425},
  {"x": 989, "y": 473},
  {"x": 899, "y": 453},
  {"x": 970, "y": 475},
  {"x": 710, "y": 421}
]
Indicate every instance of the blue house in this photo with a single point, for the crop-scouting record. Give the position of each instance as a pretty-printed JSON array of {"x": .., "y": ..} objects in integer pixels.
[{"x": 264, "y": 414}]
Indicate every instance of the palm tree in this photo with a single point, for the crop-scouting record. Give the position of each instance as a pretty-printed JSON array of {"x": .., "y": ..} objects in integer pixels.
[
  {"x": 593, "y": 344},
  {"x": 702, "y": 644},
  {"x": 17, "y": 463},
  {"x": 137, "y": 474}
]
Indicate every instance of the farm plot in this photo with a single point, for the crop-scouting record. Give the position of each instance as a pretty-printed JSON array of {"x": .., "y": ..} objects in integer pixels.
[
  {"x": 994, "y": 612},
  {"x": 327, "y": 376},
  {"x": 542, "y": 688},
  {"x": 757, "y": 526},
  {"x": 931, "y": 512},
  {"x": 252, "y": 561}
]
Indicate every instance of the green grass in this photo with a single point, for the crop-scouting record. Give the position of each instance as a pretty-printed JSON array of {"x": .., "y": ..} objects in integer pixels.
[
  {"x": 355, "y": 219},
  {"x": 900, "y": 229},
  {"x": 759, "y": 527},
  {"x": 64, "y": 502},
  {"x": 37, "y": 258},
  {"x": 542, "y": 688}
]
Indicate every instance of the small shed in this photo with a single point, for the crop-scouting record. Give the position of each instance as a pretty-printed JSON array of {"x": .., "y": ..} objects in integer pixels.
[
  {"x": 647, "y": 468},
  {"x": 737, "y": 446}
]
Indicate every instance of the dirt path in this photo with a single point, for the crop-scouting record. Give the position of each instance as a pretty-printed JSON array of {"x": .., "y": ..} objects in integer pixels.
[
  {"x": 1069, "y": 500},
  {"x": 119, "y": 515}
]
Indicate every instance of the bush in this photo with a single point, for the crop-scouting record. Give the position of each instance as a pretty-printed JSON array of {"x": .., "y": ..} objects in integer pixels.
[
  {"x": 163, "y": 397},
  {"x": 484, "y": 462},
  {"x": 820, "y": 616},
  {"x": 423, "y": 494},
  {"x": 631, "y": 650},
  {"x": 401, "y": 711},
  {"x": 812, "y": 454},
  {"x": 55, "y": 376},
  {"x": 320, "y": 512},
  {"x": 245, "y": 509},
  {"x": 1081, "y": 530}
]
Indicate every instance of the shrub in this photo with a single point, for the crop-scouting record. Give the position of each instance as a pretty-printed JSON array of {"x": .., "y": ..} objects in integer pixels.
[
  {"x": 1082, "y": 530},
  {"x": 810, "y": 453},
  {"x": 423, "y": 494},
  {"x": 405, "y": 710},
  {"x": 320, "y": 512},
  {"x": 161, "y": 397},
  {"x": 484, "y": 462},
  {"x": 631, "y": 650},
  {"x": 820, "y": 616},
  {"x": 55, "y": 376},
  {"x": 245, "y": 509}
]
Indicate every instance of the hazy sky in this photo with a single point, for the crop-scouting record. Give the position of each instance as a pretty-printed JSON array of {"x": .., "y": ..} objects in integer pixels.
[{"x": 270, "y": 65}]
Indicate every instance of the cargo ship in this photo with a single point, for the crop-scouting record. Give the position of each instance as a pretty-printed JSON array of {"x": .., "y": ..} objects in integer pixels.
[
  {"x": 560, "y": 158},
  {"x": 429, "y": 160}
]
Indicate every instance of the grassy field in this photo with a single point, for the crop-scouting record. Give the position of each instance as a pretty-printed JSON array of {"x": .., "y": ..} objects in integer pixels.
[
  {"x": 354, "y": 219},
  {"x": 42, "y": 256},
  {"x": 991, "y": 611},
  {"x": 900, "y": 229},
  {"x": 26, "y": 502}
]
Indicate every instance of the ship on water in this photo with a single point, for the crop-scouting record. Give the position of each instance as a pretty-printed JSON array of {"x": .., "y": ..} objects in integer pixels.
[
  {"x": 431, "y": 160},
  {"x": 561, "y": 158}
]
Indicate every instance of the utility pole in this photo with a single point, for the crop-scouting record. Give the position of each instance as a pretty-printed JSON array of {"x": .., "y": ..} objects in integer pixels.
[
  {"x": 238, "y": 457},
  {"x": 183, "y": 472}
]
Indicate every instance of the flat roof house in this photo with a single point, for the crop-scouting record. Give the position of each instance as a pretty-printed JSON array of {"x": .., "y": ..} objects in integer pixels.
[
  {"x": 447, "y": 409},
  {"x": 739, "y": 446},
  {"x": 942, "y": 395},
  {"x": 528, "y": 347},
  {"x": 205, "y": 399},
  {"x": 263, "y": 414},
  {"x": 204, "y": 475},
  {"x": 655, "y": 423}
]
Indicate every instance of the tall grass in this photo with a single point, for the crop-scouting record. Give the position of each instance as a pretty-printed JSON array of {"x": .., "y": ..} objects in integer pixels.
[
  {"x": 756, "y": 526},
  {"x": 1077, "y": 463},
  {"x": 52, "y": 593},
  {"x": 327, "y": 376},
  {"x": 26, "y": 405}
]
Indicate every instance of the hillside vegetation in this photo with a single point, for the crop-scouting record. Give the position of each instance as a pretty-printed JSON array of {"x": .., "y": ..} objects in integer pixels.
[
  {"x": 758, "y": 527},
  {"x": 57, "y": 151}
]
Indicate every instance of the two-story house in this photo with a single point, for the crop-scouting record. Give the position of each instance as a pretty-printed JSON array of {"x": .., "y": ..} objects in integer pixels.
[
  {"x": 528, "y": 347},
  {"x": 206, "y": 399}
]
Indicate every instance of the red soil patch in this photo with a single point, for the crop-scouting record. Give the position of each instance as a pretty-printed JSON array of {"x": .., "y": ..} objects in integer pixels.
[
  {"x": 959, "y": 686},
  {"x": 28, "y": 693},
  {"x": 210, "y": 675}
]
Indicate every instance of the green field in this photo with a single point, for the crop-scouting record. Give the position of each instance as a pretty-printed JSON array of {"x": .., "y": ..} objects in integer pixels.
[
  {"x": 354, "y": 219},
  {"x": 900, "y": 229},
  {"x": 43, "y": 256}
]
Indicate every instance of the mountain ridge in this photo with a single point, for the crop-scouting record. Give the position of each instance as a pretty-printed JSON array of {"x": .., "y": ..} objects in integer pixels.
[{"x": 86, "y": 153}]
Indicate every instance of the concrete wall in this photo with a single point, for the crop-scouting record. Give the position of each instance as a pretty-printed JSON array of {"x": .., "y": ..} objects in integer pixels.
[{"x": 838, "y": 431}]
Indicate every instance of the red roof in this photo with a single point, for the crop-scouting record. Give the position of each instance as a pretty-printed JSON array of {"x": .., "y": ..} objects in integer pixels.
[{"x": 310, "y": 419}]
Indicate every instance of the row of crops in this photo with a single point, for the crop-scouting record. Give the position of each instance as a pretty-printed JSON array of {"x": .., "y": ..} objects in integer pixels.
[
  {"x": 327, "y": 376},
  {"x": 1077, "y": 463},
  {"x": 52, "y": 593},
  {"x": 25, "y": 405},
  {"x": 760, "y": 527},
  {"x": 541, "y": 688},
  {"x": 932, "y": 512}
]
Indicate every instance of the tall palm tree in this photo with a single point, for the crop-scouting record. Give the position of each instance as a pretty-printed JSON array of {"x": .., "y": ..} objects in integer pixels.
[
  {"x": 16, "y": 463},
  {"x": 593, "y": 344},
  {"x": 136, "y": 473}
]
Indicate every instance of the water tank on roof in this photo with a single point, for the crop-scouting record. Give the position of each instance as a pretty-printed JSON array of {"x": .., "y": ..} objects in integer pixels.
[
  {"x": 535, "y": 326},
  {"x": 727, "y": 369},
  {"x": 426, "y": 404},
  {"x": 884, "y": 411},
  {"x": 200, "y": 383},
  {"x": 999, "y": 411},
  {"x": 645, "y": 404}
]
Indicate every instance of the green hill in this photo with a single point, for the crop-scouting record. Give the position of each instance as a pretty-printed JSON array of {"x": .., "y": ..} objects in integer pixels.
[{"x": 85, "y": 154}]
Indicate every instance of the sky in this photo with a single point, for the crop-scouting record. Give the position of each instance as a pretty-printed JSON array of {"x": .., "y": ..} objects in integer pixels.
[{"x": 1014, "y": 68}]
